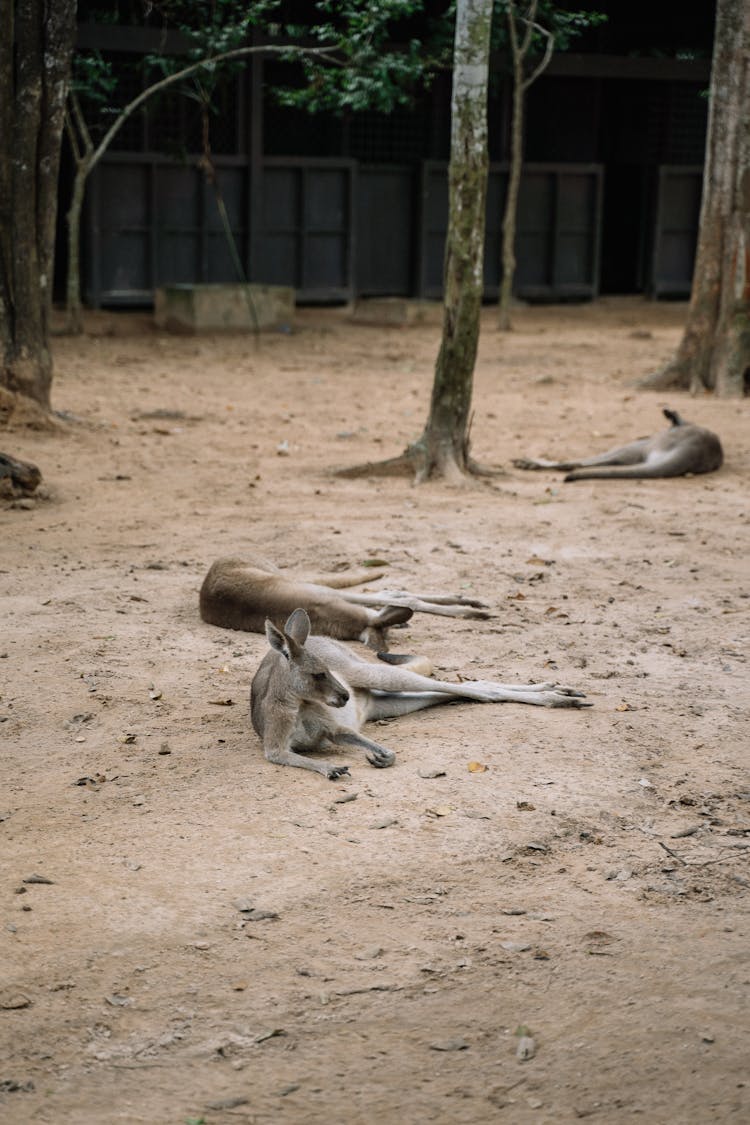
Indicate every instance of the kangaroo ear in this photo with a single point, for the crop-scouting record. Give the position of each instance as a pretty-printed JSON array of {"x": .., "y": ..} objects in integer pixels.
[
  {"x": 276, "y": 639},
  {"x": 392, "y": 615},
  {"x": 298, "y": 626}
]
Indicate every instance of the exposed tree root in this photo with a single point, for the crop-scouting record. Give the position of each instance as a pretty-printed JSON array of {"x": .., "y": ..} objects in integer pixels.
[
  {"x": 479, "y": 470},
  {"x": 413, "y": 462},
  {"x": 19, "y": 411},
  {"x": 405, "y": 465},
  {"x": 673, "y": 375}
]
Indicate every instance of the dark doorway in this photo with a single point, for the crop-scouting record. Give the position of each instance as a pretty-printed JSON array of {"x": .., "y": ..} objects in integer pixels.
[{"x": 624, "y": 234}]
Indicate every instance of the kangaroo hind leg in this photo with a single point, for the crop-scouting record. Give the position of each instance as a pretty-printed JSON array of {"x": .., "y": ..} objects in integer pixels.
[{"x": 631, "y": 454}]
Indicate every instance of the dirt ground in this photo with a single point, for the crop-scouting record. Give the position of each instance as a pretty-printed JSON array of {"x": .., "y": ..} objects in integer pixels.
[{"x": 216, "y": 939}]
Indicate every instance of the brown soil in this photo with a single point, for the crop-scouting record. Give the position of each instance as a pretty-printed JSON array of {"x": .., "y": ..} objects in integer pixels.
[{"x": 590, "y": 885}]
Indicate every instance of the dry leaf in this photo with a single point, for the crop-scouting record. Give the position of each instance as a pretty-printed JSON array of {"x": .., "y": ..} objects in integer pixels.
[
  {"x": 623, "y": 707},
  {"x": 477, "y": 767},
  {"x": 441, "y": 810}
]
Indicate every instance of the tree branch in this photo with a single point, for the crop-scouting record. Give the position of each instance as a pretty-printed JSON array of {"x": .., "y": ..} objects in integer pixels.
[
  {"x": 548, "y": 51},
  {"x": 528, "y": 21},
  {"x": 240, "y": 52}
]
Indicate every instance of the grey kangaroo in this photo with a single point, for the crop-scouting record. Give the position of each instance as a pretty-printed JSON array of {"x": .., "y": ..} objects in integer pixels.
[
  {"x": 241, "y": 594},
  {"x": 313, "y": 693},
  {"x": 681, "y": 449}
]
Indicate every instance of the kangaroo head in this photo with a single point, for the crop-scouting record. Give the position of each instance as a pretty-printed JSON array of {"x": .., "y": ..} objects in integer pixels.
[{"x": 309, "y": 678}]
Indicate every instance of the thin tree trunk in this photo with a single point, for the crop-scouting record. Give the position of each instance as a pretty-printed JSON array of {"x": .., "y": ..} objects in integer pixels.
[
  {"x": 508, "y": 253},
  {"x": 82, "y": 149},
  {"x": 519, "y": 50},
  {"x": 73, "y": 308},
  {"x": 443, "y": 448},
  {"x": 714, "y": 352},
  {"x": 445, "y": 442}
]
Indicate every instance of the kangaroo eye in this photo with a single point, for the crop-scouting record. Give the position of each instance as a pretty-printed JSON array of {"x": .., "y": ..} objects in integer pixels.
[{"x": 319, "y": 677}]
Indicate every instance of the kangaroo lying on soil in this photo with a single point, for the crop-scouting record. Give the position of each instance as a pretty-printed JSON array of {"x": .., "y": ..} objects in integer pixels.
[
  {"x": 310, "y": 693},
  {"x": 239, "y": 594},
  {"x": 681, "y": 449}
]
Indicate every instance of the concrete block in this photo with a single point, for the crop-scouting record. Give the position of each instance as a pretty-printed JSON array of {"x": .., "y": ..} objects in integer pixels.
[{"x": 192, "y": 309}]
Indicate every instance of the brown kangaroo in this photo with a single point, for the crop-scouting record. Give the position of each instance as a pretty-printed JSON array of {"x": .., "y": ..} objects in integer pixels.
[
  {"x": 313, "y": 693},
  {"x": 238, "y": 594},
  {"x": 675, "y": 452}
]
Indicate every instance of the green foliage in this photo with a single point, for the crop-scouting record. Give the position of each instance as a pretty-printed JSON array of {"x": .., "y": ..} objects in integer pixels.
[
  {"x": 213, "y": 27},
  {"x": 92, "y": 78},
  {"x": 375, "y": 60},
  {"x": 371, "y": 58}
]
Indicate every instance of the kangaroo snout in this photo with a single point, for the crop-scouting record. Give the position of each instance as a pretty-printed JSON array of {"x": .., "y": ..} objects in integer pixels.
[{"x": 338, "y": 697}]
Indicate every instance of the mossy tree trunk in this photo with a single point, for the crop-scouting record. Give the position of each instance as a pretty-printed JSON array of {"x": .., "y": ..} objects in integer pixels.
[
  {"x": 714, "y": 352},
  {"x": 36, "y": 45},
  {"x": 443, "y": 448}
]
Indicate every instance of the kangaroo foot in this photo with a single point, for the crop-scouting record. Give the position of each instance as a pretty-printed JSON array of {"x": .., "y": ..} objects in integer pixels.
[
  {"x": 560, "y": 697},
  {"x": 563, "y": 688},
  {"x": 380, "y": 758},
  {"x": 335, "y": 772}
]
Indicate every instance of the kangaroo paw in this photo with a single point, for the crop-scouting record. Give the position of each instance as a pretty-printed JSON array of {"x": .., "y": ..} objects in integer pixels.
[
  {"x": 380, "y": 759},
  {"x": 335, "y": 772}
]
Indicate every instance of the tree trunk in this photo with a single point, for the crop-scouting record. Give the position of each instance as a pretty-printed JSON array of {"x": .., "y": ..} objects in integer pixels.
[
  {"x": 73, "y": 309},
  {"x": 714, "y": 352},
  {"x": 508, "y": 254},
  {"x": 443, "y": 447},
  {"x": 36, "y": 44}
]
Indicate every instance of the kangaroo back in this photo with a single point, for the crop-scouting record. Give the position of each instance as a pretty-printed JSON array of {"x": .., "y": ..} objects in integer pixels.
[
  {"x": 240, "y": 595},
  {"x": 675, "y": 452}
]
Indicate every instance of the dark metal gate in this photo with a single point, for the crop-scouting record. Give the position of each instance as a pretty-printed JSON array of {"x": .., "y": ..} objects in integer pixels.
[
  {"x": 152, "y": 222},
  {"x": 558, "y": 235},
  {"x": 305, "y": 233},
  {"x": 385, "y": 225},
  {"x": 678, "y": 204},
  {"x": 330, "y": 228}
]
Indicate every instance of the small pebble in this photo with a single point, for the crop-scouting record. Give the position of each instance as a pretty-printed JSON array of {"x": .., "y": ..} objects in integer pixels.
[
  {"x": 384, "y": 822},
  {"x": 450, "y": 1045},
  {"x": 526, "y": 1048}
]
